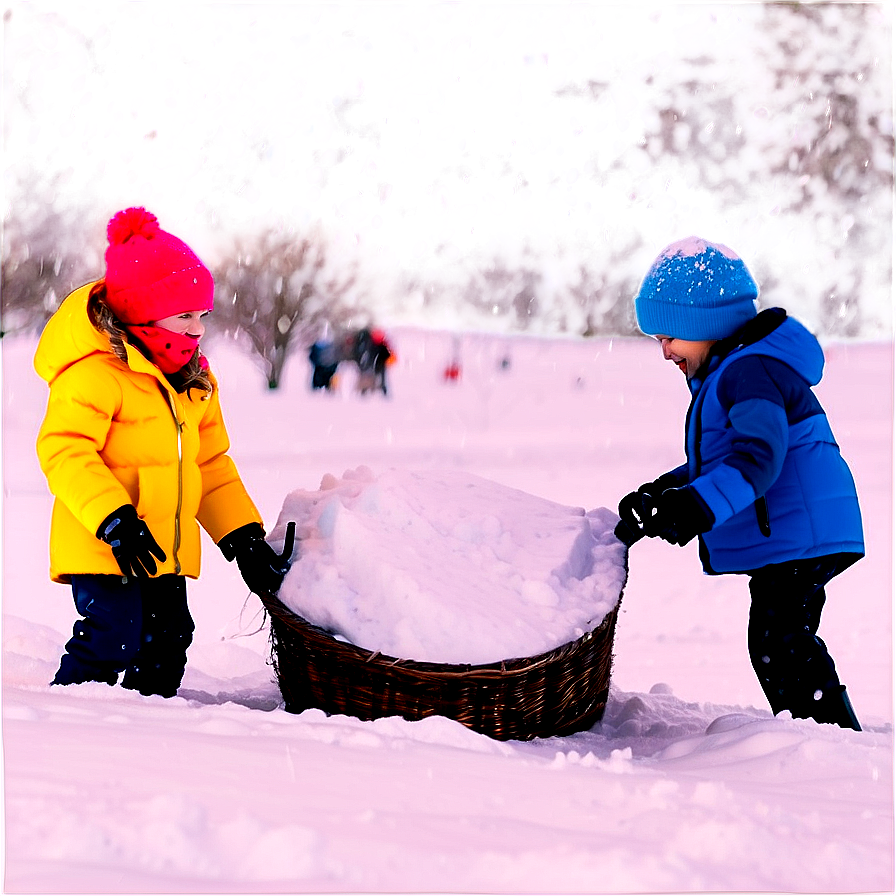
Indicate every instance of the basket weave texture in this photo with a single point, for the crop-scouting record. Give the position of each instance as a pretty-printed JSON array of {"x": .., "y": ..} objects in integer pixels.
[{"x": 555, "y": 693}]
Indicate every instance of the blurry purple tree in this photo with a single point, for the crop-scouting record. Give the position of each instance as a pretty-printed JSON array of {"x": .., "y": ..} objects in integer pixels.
[
  {"x": 275, "y": 291},
  {"x": 835, "y": 91}
]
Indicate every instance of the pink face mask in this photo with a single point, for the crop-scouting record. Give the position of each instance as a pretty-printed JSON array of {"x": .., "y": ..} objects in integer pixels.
[{"x": 168, "y": 351}]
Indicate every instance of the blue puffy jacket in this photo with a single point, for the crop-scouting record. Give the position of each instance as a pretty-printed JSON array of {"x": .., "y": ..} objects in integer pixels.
[{"x": 761, "y": 453}]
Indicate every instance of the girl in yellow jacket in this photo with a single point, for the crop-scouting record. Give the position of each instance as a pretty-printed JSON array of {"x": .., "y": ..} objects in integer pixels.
[{"x": 134, "y": 449}]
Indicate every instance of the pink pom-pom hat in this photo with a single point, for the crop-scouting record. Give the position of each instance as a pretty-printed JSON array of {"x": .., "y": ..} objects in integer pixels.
[{"x": 151, "y": 274}]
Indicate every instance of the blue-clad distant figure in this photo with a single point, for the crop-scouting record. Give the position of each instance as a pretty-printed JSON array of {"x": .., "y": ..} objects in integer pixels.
[{"x": 324, "y": 358}]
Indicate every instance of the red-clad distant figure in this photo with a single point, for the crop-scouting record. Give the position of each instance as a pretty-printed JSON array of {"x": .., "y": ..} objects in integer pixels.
[{"x": 373, "y": 354}]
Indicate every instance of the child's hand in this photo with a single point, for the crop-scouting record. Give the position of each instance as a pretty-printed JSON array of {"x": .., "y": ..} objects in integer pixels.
[
  {"x": 637, "y": 510},
  {"x": 261, "y": 567},
  {"x": 681, "y": 514},
  {"x": 133, "y": 545}
]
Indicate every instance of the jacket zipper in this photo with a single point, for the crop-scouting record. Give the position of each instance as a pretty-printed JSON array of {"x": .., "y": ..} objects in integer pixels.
[
  {"x": 765, "y": 526},
  {"x": 180, "y": 482}
]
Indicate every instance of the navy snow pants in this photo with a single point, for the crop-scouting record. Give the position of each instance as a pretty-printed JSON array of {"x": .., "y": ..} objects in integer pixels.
[{"x": 141, "y": 627}]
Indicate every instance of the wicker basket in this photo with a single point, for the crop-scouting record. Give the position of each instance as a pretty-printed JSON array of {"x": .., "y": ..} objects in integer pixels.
[{"x": 555, "y": 693}]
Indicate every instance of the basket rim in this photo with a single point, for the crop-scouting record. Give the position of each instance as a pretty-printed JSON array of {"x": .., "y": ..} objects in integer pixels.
[{"x": 497, "y": 668}]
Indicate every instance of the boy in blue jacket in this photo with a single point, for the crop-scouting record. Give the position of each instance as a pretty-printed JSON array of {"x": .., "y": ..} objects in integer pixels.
[{"x": 764, "y": 487}]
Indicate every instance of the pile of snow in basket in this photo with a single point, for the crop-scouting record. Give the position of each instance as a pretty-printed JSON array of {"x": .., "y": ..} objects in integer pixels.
[{"x": 447, "y": 567}]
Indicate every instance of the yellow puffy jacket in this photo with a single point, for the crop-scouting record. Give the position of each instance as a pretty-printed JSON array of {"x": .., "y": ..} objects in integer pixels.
[{"x": 117, "y": 433}]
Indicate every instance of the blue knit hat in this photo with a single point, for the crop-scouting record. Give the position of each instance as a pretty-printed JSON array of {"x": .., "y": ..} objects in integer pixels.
[{"x": 696, "y": 290}]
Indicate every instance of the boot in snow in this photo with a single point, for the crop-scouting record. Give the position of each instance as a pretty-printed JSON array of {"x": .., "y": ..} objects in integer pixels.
[{"x": 831, "y": 707}]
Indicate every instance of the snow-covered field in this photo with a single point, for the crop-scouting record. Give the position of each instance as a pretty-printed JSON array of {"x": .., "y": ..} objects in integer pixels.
[{"x": 688, "y": 784}]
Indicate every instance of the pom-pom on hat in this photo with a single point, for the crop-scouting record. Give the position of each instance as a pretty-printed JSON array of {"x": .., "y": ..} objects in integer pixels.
[
  {"x": 151, "y": 274},
  {"x": 696, "y": 290}
]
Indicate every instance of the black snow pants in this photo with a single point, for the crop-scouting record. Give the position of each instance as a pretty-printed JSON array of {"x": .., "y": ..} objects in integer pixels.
[
  {"x": 792, "y": 663},
  {"x": 141, "y": 627}
]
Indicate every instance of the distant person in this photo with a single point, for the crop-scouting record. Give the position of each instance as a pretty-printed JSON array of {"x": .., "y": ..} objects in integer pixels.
[
  {"x": 451, "y": 373},
  {"x": 764, "y": 488},
  {"x": 372, "y": 354},
  {"x": 324, "y": 358},
  {"x": 134, "y": 449},
  {"x": 361, "y": 353},
  {"x": 383, "y": 356},
  {"x": 453, "y": 369}
]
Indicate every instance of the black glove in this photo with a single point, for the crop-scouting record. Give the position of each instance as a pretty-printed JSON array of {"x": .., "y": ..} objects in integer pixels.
[
  {"x": 261, "y": 567},
  {"x": 637, "y": 509},
  {"x": 131, "y": 541},
  {"x": 680, "y": 515}
]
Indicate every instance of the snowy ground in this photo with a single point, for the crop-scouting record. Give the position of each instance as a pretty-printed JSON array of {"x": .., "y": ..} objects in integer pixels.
[{"x": 688, "y": 784}]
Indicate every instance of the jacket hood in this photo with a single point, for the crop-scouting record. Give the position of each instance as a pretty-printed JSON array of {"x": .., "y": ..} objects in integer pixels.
[
  {"x": 68, "y": 337},
  {"x": 773, "y": 334}
]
